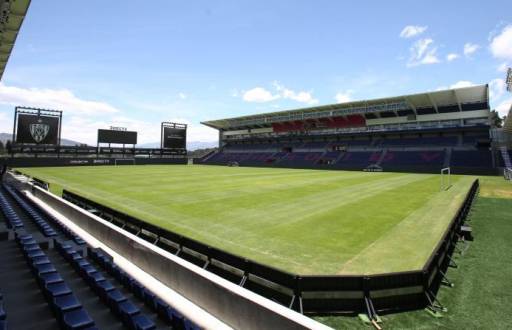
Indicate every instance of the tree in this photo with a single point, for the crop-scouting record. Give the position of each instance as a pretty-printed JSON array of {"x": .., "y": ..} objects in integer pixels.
[
  {"x": 1, "y": 147},
  {"x": 8, "y": 146},
  {"x": 496, "y": 120}
]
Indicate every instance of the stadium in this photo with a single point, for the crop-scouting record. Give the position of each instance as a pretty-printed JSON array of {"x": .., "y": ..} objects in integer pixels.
[{"x": 389, "y": 212}]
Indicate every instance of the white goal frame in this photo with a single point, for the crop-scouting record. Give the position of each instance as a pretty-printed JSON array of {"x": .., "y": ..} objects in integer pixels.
[
  {"x": 124, "y": 160},
  {"x": 446, "y": 180}
]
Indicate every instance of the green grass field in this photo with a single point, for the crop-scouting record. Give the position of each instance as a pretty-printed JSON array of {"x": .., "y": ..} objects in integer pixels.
[
  {"x": 302, "y": 221},
  {"x": 482, "y": 296}
]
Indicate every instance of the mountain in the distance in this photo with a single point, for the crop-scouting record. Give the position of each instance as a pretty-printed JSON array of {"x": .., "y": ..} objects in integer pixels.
[
  {"x": 191, "y": 145},
  {"x": 4, "y": 137}
]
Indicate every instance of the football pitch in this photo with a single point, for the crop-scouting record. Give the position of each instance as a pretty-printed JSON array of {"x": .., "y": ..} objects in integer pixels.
[{"x": 301, "y": 221}]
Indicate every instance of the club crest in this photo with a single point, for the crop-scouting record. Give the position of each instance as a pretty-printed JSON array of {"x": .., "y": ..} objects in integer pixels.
[{"x": 39, "y": 131}]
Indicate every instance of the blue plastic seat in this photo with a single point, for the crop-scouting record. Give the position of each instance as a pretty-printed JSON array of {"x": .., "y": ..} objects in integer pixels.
[
  {"x": 66, "y": 303},
  {"x": 57, "y": 289},
  {"x": 77, "y": 319},
  {"x": 3, "y": 315},
  {"x": 114, "y": 298},
  {"x": 150, "y": 298},
  {"x": 142, "y": 322},
  {"x": 45, "y": 268},
  {"x": 127, "y": 310},
  {"x": 35, "y": 253},
  {"x": 103, "y": 287},
  {"x": 137, "y": 289},
  {"x": 39, "y": 260},
  {"x": 50, "y": 278},
  {"x": 94, "y": 278}
]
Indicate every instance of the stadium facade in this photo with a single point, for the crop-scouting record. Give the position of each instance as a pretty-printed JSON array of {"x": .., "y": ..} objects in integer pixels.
[{"x": 419, "y": 132}]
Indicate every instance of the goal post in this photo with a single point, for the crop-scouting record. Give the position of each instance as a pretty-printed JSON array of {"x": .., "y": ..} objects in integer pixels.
[
  {"x": 124, "y": 161},
  {"x": 446, "y": 181},
  {"x": 507, "y": 173}
]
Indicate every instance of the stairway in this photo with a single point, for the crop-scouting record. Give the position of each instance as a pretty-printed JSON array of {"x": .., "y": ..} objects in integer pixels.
[
  {"x": 506, "y": 157},
  {"x": 381, "y": 158},
  {"x": 208, "y": 156}
]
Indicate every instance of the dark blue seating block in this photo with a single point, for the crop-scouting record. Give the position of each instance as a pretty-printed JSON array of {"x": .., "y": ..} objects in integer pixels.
[
  {"x": 79, "y": 264},
  {"x": 39, "y": 260},
  {"x": 50, "y": 278},
  {"x": 161, "y": 308},
  {"x": 86, "y": 270},
  {"x": 30, "y": 247},
  {"x": 77, "y": 319},
  {"x": 3, "y": 315},
  {"x": 150, "y": 299},
  {"x": 142, "y": 322},
  {"x": 127, "y": 310},
  {"x": 3, "y": 325},
  {"x": 65, "y": 303},
  {"x": 189, "y": 325},
  {"x": 35, "y": 253},
  {"x": 43, "y": 269},
  {"x": 114, "y": 298},
  {"x": 177, "y": 320},
  {"x": 94, "y": 278},
  {"x": 137, "y": 289},
  {"x": 57, "y": 289},
  {"x": 103, "y": 288}
]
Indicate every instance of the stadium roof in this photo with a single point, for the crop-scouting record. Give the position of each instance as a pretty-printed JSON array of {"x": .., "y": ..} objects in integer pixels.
[
  {"x": 458, "y": 96},
  {"x": 12, "y": 13}
]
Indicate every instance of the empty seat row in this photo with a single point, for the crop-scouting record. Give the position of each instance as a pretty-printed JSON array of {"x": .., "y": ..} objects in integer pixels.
[
  {"x": 67, "y": 308},
  {"x": 164, "y": 311},
  {"x": 13, "y": 221},
  {"x": 125, "y": 309},
  {"x": 39, "y": 216},
  {"x": 45, "y": 228}
]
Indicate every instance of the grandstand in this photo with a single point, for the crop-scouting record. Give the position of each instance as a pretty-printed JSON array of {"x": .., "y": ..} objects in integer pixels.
[{"x": 413, "y": 133}]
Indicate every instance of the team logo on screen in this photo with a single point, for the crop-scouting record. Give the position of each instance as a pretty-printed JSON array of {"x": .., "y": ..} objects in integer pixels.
[{"x": 39, "y": 131}]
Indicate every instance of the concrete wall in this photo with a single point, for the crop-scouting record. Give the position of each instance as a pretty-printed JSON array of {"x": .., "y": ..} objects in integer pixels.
[{"x": 234, "y": 305}]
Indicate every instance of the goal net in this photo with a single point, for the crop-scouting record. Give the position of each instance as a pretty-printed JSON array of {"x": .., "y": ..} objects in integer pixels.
[
  {"x": 446, "y": 181},
  {"x": 507, "y": 173},
  {"x": 124, "y": 161}
]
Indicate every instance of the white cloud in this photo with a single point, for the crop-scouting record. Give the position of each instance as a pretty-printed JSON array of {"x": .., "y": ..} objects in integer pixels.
[
  {"x": 503, "y": 67},
  {"x": 497, "y": 88},
  {"x": 60, "y": 99},
  {"x": 259, "y": 94},
  {"x": 462, "y": 84},
  {"x": 343, "y": 97},
  {"x": 501, "y": 44},
  {"x": 470, "y": 48},
  {"x": 504, "y": 107},
  {"x": 423, "y": 51},
  {"x": 301, "y": 96},
  {"x": 182, "y": 95},
  {"x": 451, "y": 57},
  {"x": 412, "y": 30},
  {"x": 458, "y": 84}
]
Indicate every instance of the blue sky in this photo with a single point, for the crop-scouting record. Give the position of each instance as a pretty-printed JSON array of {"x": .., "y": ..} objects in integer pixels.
[{"x": 137, "y": 63}]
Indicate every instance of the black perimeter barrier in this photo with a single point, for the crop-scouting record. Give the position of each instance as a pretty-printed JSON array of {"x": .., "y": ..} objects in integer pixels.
[
  {"x": 41, "y": 162},
  {"x": 308, "y": 294}
]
